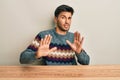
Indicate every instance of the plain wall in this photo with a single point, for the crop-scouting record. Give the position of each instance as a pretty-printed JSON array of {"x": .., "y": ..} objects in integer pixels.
[{"x": 97, "y": 20}]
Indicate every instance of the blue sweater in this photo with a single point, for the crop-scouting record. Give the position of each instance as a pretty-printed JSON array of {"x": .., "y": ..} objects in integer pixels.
[{"x": 64, "y": 55}]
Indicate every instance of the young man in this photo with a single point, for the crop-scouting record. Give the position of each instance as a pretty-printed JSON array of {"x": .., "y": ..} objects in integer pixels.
[{"x": 57, "y": 46}]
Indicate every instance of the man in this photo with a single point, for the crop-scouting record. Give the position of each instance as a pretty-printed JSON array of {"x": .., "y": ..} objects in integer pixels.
[{"x": 57, "y": 46}]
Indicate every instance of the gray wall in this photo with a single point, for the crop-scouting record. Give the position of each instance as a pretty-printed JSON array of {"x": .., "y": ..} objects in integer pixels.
[{"x": 97, "y": 20}]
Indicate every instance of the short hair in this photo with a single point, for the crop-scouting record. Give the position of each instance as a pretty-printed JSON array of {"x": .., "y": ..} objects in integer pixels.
[{"x": 63, "y": 8}]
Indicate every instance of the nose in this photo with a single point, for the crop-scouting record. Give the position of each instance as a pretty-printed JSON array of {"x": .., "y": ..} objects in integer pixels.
[{"x": 67, "y": 21}]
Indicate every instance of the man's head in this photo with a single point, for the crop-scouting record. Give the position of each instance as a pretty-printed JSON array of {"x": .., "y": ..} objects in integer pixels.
[
  {"x": 63, "y": 16},
  {"x": 63, "y": 8}
]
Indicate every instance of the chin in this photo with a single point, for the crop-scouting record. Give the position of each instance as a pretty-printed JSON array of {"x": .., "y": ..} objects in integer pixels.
[{"x": 66, "y": 29}]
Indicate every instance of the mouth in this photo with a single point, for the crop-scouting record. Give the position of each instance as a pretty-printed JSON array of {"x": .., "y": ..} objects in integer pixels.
[{"x": 66, "y": 25}]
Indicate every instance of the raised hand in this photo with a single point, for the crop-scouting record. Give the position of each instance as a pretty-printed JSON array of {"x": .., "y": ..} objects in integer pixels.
[
  {"x": 43, "y": 49},
  {"x": 77, "y": 44}
]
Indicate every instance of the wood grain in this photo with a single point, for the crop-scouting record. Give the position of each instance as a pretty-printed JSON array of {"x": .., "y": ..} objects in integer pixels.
[{"x": 88, "y": 72}]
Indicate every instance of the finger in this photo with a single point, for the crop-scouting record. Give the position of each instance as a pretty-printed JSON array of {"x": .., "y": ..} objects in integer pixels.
[
  {"x": 53, "y": 49},
  {"x": 41, "y": 42},
  {"x": 78, "y": 37},
  {"x": 75, "y": 36},
  {"x": 49, "y": 39},
  {"x": 45, "y": 39},
  {"x": 69, "y": 43},
  {"x": 82, "y": 41}
]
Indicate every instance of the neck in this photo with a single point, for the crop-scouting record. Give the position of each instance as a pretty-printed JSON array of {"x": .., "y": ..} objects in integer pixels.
[{"x": 60, "y": 31}]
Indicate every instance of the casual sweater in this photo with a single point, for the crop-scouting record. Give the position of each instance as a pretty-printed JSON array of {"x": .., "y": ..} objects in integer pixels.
[{"x": 64, "y": 55}]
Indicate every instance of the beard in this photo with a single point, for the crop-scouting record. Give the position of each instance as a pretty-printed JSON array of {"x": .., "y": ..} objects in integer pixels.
[{"x": 62, "y": 28}]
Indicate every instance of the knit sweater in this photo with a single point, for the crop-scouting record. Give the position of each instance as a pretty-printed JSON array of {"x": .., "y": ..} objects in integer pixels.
[{"x": 64, "y": 55}]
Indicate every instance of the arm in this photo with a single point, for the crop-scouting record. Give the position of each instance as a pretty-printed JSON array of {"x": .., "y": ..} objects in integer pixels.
[
  {"x": 83, "y": 58},
  {"x": 37, "y": 50},
  {"x": 28, "y": 56}
]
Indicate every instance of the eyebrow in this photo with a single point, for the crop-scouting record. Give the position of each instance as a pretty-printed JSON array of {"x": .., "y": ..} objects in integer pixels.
[{"x": 65, "y": 16}]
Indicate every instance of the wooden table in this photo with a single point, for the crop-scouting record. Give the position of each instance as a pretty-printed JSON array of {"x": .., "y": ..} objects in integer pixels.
[{"x": 90, "y": 72}]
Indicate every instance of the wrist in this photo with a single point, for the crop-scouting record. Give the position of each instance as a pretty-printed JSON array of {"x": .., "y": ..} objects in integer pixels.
[
  {"x": 78, "y": 52},
  {"x": 37, "y": 55}
]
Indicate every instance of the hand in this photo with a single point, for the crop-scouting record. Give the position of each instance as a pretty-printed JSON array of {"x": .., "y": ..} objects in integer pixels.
[
  {"x": 43, "y": 49},
  {"x": 77, "y": 44}
]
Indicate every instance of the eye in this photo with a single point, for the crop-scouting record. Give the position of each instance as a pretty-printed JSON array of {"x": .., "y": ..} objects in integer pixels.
[
  {"x": 63, "y": 17},
  {"x": 69, "y": 18}
]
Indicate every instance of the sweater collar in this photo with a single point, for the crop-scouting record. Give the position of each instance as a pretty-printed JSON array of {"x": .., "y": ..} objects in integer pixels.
[{"x": 59, "y": 34}]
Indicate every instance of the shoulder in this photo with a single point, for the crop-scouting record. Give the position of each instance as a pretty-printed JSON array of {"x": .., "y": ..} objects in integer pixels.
[{"x": 45, "y": 32}]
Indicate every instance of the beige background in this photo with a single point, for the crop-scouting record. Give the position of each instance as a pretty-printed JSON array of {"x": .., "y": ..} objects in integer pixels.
[{"x": 97, "y": 20}]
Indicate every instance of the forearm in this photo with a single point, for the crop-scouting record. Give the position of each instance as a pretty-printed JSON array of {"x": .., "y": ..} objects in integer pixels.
[
  {"x": 27, "y": 56},
  {"x": 83, "y": 58}
]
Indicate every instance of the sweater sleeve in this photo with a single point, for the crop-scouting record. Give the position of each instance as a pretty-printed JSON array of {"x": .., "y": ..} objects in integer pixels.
[
  {"x": 83, "y": 58},
  {"x": 28, "y": 55}
]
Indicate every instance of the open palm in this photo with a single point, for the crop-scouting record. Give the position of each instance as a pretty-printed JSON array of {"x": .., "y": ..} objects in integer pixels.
[
  {"x": 43, "y": 49},
  {"x": 77, "y": 44}
]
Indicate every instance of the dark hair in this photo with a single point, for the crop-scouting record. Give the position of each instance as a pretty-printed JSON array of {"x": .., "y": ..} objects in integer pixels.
[{"x": 63, "y": 8}]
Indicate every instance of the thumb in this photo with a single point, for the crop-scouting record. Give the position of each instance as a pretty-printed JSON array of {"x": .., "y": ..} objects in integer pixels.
[
  {"x": 53, "y": 49},
  {"x": 69, "y": 43}
]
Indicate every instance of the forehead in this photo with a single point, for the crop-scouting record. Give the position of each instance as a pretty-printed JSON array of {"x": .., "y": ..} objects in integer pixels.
[{"x": 67, "y": 14}]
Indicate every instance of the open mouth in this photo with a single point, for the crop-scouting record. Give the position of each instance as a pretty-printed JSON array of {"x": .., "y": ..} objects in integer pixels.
[{"x": 66, "y": 25}]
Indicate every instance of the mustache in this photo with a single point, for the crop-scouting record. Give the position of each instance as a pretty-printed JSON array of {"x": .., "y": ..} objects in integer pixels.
[{"x": 67, "y": 24}]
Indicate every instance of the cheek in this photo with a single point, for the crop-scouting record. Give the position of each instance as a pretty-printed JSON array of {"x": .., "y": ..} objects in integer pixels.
[
  {"x": 62, "y": 22},
  {"x": 69, "y": 21}
]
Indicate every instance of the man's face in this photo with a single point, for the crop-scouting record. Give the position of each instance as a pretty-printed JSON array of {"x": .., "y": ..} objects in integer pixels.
[{"x": 63, "y": 21}]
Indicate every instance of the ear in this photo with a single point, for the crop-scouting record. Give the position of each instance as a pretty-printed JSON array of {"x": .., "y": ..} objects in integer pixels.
[{"x": 55, "y": 19}]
